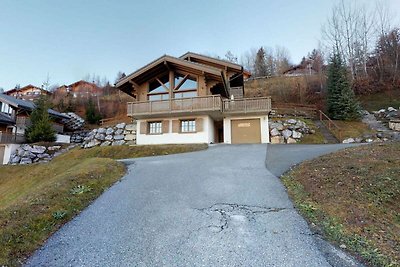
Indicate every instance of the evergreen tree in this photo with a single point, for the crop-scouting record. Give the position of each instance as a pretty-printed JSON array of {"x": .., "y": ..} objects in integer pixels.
[
  {"x": 41, "y": 128},
  {"x": 341, "y": 101},
  {"x": 260, "y": 66},
  {"x": 92, "y": 116}
]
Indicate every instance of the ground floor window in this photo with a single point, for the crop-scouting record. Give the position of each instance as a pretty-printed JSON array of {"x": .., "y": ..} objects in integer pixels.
[
  {"x": 188, "y": 126},
  {"x": 155, "y": 127}
]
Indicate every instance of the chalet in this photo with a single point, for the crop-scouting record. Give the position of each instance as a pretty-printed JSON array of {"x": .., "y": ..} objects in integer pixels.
[
  {"x": 194, "y": 99},
  {"x": 14, "y": 116},
  {"x": 300, "y": 70},
  {"x": 29, "y": 92},
  {"x": 80, "y": 89}
]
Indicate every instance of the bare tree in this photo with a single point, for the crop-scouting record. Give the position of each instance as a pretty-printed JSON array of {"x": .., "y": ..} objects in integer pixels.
[
  {"x": 282, "y": 59},
  {"x": 231, "y": 57}
]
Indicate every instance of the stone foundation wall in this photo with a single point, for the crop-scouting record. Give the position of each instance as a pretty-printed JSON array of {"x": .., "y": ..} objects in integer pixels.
[
  {"x": 120, "y": 134},
  {"x": 287, "y": 131}
]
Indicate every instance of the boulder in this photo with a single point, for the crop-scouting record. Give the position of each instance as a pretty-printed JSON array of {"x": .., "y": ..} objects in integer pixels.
[
  {"x": 291, "y": 141},
  {"x": 119, "y": 132},
  {"x": 109, "y": 131},
  {"x": 275, "y": 132},
  {"x": 276, "y": 125},
  {"x": 101, "y": 131},
  {"x": 130, "y": 143},
  {"x": 25, "y": 161},
  {"x": 130, "y": 127},
  {"x": 296, "y": 135},
  {"x": 120, "y": 125},
  {"x": 38, "y": 149},
  {"x": 277, "y": 140},
  {"x": 391, "y": 109},
  {"x": 92, "y": 143},
  {"x": 53, "y": 148},
  {"x": 348, "y": 141},
  {"x": 15, "y": 159},
  {"x": 44, "y": 155},
  {"x": 118, "y": 143},
  {"x": 100, "y": 137},
  {"x": 106, "y": 143},
  {"x": 118, "y": 137},
  {"x": 287, "y": 133},
  {"x": 109, "y": 137},
  {"x": 291, "y": 121},
  {"x": 130, "y": 137}
]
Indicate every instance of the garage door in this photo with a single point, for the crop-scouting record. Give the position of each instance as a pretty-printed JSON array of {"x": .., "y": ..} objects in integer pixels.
[{"x": 246, "y": 131}]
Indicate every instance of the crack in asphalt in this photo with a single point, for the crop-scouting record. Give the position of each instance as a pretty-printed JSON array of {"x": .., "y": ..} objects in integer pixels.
[{"x": 227, "y": 211}]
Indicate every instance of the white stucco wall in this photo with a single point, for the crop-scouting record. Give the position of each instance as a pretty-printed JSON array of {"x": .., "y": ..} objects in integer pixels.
[
  {"x": 264, "y": 127},
  {"x": 205, "y": 136},
  {"x": 9, "y": 149}
]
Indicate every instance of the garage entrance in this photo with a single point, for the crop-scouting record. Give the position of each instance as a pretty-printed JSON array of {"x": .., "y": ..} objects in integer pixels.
[{"x": 246, "y": 131}]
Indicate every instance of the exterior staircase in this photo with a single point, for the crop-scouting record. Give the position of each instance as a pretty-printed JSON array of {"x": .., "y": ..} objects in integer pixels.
[{"x": 329, "y": 137}]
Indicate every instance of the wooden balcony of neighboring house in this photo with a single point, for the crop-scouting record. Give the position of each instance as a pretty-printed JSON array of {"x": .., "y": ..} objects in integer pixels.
[
  {"x": 11, "y": 138},
  {"x": 213, "y": 105},
  {"x": 24, "y": 122}
]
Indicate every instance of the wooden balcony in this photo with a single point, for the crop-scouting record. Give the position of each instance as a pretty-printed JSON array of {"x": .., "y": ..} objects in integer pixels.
[{"x": 212, "y": 105}]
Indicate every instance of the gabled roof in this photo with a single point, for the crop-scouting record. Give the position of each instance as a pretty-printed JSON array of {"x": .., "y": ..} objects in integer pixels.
[
  {"x": 27, "y": 105},
  {"x": 161, "y": 63},
  {"x": 27, "y": 87},
  {"x": 206, "y": 60},
  {"x": 80, "y": 82}
]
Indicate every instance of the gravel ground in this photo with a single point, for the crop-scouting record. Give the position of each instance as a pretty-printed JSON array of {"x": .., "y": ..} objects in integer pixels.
[{"x": 218, "y": 207}]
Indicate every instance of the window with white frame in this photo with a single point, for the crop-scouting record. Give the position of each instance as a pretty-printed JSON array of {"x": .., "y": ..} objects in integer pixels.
[
  {"x": 155, "y": 127},
  {"x": 188, "y": 126}
]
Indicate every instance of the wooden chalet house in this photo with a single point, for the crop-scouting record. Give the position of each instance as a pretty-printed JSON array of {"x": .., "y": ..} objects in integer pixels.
[
  {"x": 29, "y": 92},
  {"x": 194, "y": 99}
]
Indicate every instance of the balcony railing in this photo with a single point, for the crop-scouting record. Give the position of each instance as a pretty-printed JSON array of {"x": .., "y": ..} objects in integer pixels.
[
  {"x": 10, "y": 138},
  {"x": 213, "y": 103},
  {"x": 247, "y": 105}
]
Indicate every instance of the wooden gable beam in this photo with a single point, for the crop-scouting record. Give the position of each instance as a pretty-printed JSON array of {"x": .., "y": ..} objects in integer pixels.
[
  {"x": 181, "y": 82},
  {"x": 163, "y": 85}
]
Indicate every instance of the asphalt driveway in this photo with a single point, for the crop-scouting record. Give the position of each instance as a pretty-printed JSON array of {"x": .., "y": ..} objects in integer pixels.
[{"x": 218, "y": 207}]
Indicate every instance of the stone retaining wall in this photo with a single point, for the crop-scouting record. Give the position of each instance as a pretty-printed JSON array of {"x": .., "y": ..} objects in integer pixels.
[
  {"x": 27, "y": 154},
  {"x": 287, "y": 131},
  {"x": 120, "y": 134}
]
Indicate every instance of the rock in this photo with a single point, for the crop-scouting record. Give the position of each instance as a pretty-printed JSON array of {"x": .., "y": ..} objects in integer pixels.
[
  {"x": 296, "y": 135},
  {"x": 343, "y": 246},
  {"x": 44, "y": 155},
  {"x": 291, "y": 141},
  {"x": 381, "y": 111},
  {"x": 118, "y": 143},
  {"x": 120, "y": 125},
  {"x": 291, "y": 121},
  {"x": 348, "y": 141},
  {"x": 20, "y": 151},
  {"x": 101, "y": 131},
  {"x": 15, "y": 160},
  {"x": 130, "y": 127},
  {"x": 277, "y": 140},
  {"x": 391, "y": 109},
  {"x": 130, "y": 137},
  {"x": 118, "y": 137},
  {"x": 100, "y": 137},
  {"x": 92, "y": 143},
  {"x": 276, "y": 125},
  {"x": 109, "y": 131},
  {"x": 369, "y": 140},
  {"x": 119, "y": 131},
  {"x": 358, "y": 140},
  {"x": 131, "y": 143},
  {"x": 52, "y": 148},
  {"x": 25, "y": 161},
  {"x": 106, "y": 143},
  {"x": 109, "y": 138},
  {"x": 287, "y": 133},
  {"x": 38, "y": 149},
  {"x": 275, "y": 132}
]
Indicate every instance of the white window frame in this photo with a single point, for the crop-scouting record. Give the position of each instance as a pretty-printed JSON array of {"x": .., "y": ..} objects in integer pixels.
[
  {"x": 155, "y": 127},
  {"x": 188, "y": 126}
]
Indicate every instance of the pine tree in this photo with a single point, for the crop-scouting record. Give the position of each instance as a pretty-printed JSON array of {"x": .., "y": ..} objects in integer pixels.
[
  {"x": 260, "y": 66},
  {"x": 341, "y": 101},
  {"x": 41, "y": 128},
  {"x": 92, "y": 116}
]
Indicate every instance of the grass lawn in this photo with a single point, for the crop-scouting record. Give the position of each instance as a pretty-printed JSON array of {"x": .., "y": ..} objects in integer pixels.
[
  {"x": 381, "y": 100},
  {"x": 353, "y": 129},
  {"x": 37, "y": 199},
  {"x": 353, "y": 198}
]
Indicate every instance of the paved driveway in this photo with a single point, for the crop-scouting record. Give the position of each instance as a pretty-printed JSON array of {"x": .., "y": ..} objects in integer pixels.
[{"x": 218, "y": 207}]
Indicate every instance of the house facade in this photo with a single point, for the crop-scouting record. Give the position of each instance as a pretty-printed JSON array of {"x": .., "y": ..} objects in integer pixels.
[
  {"x": 79, "y": 89},
  {"x": 29, "y": 92},
  {"x": 194, "y": 99}
]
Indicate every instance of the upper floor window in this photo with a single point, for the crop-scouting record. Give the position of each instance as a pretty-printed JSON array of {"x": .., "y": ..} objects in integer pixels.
[
  {"x": 159, "y": 89},
  {"x": 185, "y": 86}
]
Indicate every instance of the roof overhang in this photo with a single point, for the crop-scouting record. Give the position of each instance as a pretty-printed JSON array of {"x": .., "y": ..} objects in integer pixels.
[{"x": 206, "y": 60}]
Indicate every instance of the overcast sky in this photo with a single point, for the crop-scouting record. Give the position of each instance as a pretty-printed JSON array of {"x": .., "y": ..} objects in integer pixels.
[{"x": 70, "y": 39}]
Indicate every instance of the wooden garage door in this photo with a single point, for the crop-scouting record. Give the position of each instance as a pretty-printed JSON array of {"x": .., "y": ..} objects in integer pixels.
[{"x": 246, "y": 131}]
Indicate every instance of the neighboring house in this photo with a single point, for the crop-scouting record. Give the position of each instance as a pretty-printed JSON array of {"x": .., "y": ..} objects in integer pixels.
[
  {"x": 29, "y": 92},
  {"x": 15, "y": 113},
  {"x": 194, "y": 99},
  {"x": 82, "y": 89}
]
